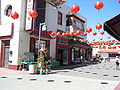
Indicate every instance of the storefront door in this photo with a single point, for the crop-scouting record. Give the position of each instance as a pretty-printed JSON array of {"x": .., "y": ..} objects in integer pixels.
[
  {"x": 6, "y": 56},
  {"x": 63, "y": 56},
  {"x": 6, "y": 50}
]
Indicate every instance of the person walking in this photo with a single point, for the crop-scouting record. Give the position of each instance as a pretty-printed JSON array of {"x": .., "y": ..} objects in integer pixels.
[{"x": 117, "y": 62}]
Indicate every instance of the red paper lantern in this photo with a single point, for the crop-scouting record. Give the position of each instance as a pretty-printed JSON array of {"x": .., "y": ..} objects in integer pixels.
[
  {"x": 63, "y": 34},
  {"x": 78, "y": 32},
  {"x": 33, "y": 13},
  {"x": 98, "y": 5},
  {"x": 71, "y": 33},
  {"x": 119, "y": 46},
  {"x": 58, "y": 34},
  {"x": 88, "y": 29},
  {"x": 85, "y": 34},
  {"x": 98, "y": 26},
  {"x": 119, "y": 1},
  {"x": 108, "y": 37},
  {"x": 15, "y": 15},
  {"x": 75, "y": 8},
  {"x": 52, "y": 33},
  {"x": 102, "y": 32},
  {"x": 67, "y": 34},
  {"x": 101, "y": 38},
  {"x": 94, "y": 33}
]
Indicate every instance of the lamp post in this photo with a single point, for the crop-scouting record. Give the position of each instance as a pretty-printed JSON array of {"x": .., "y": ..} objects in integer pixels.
[{"x": 42, "y": 27}]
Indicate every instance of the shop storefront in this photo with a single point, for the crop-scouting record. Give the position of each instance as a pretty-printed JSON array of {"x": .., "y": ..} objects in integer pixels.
[
  {"x": 80, "y": 52},
  {"x": 70, "y": 52},
  {"x": 63, "y": 51}
]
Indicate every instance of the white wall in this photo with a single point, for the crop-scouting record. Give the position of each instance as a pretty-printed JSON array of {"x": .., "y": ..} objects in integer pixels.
[{"x": 20, "y": 40}]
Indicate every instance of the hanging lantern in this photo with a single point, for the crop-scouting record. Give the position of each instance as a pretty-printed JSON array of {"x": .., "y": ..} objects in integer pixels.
[
  {"x": 75, "y": 34},
  {"x": 33, "y": 13},
  {"x": 71, "y": 33},
  {"x": 78, "y": 32},
  {"x": 85, "y": 34},
  {"x": 15, "y": 15},
  {"x": 108, "y": 37},
  {"x": 94, "y": 33},
  {"x": 98, "y": 5},
  {"x": 119, "y": 46},
  {"x": 88, "y": 29},
  {"x": 101, "y": 38},
  {"x": 58, "y": 34},
  {"x": 102, "y": 32},
  {"x": 67, "y": 34},
  {"x": 119, "y": 1},
  {"x": 52, "y": 33},
  {"x": 75, "y": 8},
  {"x": 98, "y": 26},
  {"x": 63, "y": 34}
]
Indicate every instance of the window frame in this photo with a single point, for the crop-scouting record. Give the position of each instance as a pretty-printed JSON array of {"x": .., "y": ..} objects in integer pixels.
[{"x": 60, "y": 16}]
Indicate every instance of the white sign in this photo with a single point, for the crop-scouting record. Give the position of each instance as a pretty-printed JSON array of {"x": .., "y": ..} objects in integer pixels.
[
  {"x": 42, "y": 44},
  {"x": 6, "y": 29},
  {"x": 28, "y": 18}
]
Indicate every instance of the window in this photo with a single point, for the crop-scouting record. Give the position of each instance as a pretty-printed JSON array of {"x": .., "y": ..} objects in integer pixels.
[
  {"x": 59, "y": 18},
  {"x": 8, "y": 10}
]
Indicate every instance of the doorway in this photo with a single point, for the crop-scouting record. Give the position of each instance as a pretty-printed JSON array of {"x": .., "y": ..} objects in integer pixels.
[
  {"x": 63, "y": 56},
  {"x": 6, "y": 50}
]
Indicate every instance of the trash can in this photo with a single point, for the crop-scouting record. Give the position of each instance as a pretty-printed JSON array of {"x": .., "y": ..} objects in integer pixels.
[{"x": 31, "y": 68}]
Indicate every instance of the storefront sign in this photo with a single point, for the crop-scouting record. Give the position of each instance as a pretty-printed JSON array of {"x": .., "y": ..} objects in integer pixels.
[
  {"x": 28, "y": 18},
  {"x": 62, "y": 40}
]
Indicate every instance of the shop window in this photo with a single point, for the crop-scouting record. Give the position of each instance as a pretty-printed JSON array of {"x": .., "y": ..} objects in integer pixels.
[
  {"x": 60, "y": 18},
  {"x": 8, "y": 10}
]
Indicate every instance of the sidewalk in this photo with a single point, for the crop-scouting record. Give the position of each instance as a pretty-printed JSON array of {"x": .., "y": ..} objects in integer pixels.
[{"x": 6, "y": 71}]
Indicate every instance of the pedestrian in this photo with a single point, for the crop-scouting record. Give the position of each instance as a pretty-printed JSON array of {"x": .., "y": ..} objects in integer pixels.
[{"x": 117, "y": 62}]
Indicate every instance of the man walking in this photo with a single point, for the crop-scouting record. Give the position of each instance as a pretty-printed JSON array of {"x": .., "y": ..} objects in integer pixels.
[{"x": 117, "y": 62}]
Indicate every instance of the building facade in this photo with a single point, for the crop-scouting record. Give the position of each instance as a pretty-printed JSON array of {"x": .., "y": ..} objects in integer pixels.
[
  {"x": 107, "y": 49},
  {"x": 18, "y": 36}
]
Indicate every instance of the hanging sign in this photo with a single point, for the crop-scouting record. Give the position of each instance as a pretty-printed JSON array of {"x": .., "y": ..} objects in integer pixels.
[{"x": 28, "y": 17}]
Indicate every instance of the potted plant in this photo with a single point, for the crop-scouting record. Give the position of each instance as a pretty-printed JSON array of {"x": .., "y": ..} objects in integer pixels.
[
  {"x": 42, "y": 61},
  {"x": 36, "y": 69},
  {"x": 20, "y": 60}
]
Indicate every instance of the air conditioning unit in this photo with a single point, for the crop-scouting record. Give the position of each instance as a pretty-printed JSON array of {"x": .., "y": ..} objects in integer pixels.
[{"x": 56, "y": 2}]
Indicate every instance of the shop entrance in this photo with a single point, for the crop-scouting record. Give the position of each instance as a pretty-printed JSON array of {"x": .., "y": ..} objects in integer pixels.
[
  {"x": 6, "y": 50},
  {"x": 63, "y": 56}
]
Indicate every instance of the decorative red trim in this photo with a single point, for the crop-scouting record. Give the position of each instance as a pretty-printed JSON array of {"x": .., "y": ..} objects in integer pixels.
[
  {"x": 14, "y": 67},
  {"x": 66, "y": 46},
  {"x": 1, "y": 54},
  {"x": 12, "y": 29}
]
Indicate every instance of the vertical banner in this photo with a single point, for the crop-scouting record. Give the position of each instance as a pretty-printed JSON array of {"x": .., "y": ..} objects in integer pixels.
[{"x": 28, "y": 25}]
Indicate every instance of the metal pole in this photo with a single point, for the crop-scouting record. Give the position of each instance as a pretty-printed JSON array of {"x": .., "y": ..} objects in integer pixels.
[{"x": 39, "y": 38}]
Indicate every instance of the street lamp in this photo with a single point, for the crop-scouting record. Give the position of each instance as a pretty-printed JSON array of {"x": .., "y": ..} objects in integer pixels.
[{"x": 42, "y": 27}]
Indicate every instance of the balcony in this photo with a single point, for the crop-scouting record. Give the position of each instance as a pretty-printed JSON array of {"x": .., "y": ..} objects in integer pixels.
[{"x": 56, "y": 2}]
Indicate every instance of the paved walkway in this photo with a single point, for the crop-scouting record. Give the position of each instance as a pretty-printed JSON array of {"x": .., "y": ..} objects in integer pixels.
[{"x": 101, "y": 76}]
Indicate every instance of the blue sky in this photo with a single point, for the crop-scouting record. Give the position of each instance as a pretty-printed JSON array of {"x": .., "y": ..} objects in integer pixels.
[{"x": 111, "y": 8}]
